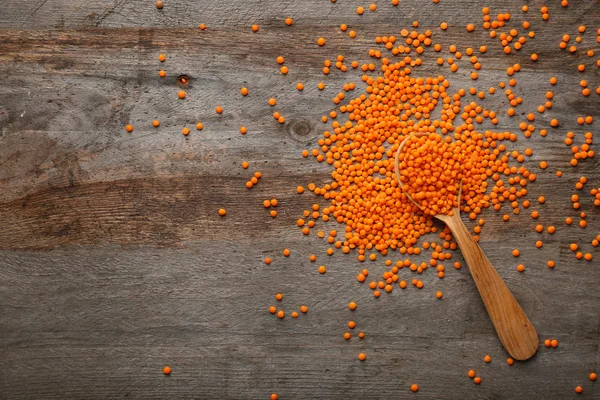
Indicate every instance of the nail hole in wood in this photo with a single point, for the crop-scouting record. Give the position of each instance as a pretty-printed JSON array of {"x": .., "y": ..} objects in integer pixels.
[{"x": 183, "y": 79}]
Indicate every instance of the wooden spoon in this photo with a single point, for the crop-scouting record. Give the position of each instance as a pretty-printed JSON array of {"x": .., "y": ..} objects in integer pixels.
[{"x": 517, "y": 334}]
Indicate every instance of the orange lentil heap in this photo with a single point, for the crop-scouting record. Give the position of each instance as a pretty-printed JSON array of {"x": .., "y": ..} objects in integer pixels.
[{"x": 365, "y": 194}]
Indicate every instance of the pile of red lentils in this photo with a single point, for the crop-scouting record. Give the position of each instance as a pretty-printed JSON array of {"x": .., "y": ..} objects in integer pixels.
[{"x": 380, "y": 213}]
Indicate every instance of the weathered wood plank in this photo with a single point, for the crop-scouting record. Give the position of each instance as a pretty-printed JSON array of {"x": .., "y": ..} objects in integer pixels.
[
  {"x": 100, "y": 315},
  {"x": 114, "y": 262}
]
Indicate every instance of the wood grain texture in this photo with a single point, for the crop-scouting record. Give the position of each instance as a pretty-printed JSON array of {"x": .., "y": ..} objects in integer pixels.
[{"x": 114, "y": 262}]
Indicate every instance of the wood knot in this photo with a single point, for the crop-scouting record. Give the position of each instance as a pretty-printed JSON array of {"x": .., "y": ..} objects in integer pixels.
[{"x": 300, "y": 129}]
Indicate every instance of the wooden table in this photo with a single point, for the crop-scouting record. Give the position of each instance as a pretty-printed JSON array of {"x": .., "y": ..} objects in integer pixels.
[{"x": 114, "y": 261}]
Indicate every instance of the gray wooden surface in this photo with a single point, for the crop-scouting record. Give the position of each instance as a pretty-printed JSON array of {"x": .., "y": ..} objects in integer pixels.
[{"x": 114, "y": 262}]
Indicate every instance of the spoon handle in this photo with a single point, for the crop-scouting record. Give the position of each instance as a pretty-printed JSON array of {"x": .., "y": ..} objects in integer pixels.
[{"x": 514, "y": 329}]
